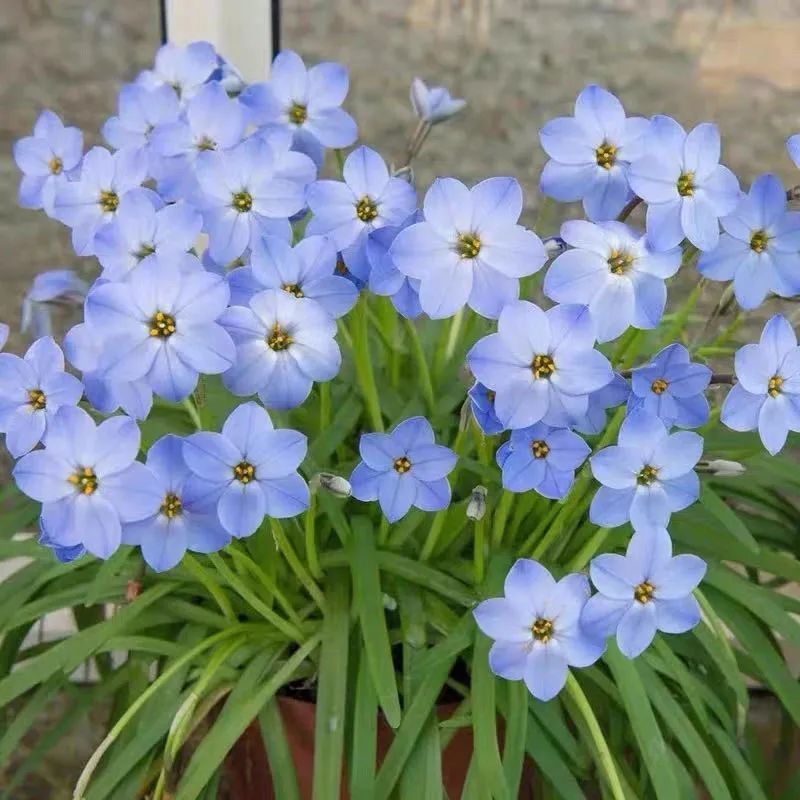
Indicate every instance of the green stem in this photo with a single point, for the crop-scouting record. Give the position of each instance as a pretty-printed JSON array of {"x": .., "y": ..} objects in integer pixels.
[
  {"x": 310, "y": 528},
  {"x": 194, "y": 414},
  {"x": 433, "y": 535},
  {"x": 324, "y": 406},
  {"x": 363, "y": 364},
  {"x": 422, "y": 366},
  {"x": 202, "y": 575},
  {"x": 478, "y": 553},
  {"x": 294, "y": 562},
  {"x": 500, "y": 517},
  {"x": 600, "y": 743},
  {"x": 590, "y": 547}
]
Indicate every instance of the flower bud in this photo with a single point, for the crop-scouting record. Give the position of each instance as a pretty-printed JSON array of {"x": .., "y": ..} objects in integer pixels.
[
  {"x": 554, "y": 246},
  {"x": 406, "y": 174},
  {"x": 335, "y": 484},
  {"x": 476, "y": 507},
  {"x": 433, "y": 105},
  {"x": 726, "y": 469}
]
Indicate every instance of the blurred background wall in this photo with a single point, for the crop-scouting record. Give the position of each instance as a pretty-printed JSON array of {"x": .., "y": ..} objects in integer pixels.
[{"x": 517, "y": 62}]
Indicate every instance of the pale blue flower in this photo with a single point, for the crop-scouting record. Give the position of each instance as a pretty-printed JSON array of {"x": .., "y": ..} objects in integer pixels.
[
  {"x": 644, "y": 591},
  {"x": 367, "y": 199},
  {"x": 161, "y": 326},
  {"x": 307, "y": 102},
  {"x": 306, "y": 270},
  {"x": 283, "y": 345},
  {"x": 247, "y": 471},
  {"x": 541, "y": 365},
  {"x": 92, "y": 200},
  {"x": 542, "y": 459},
  {"x": 590, "y": 154},
  {"x": 760, "y": 247},
  {"x": 469, "y": 249},
  {"x": 181, "y": 523},
  {"x": 481, "y": 400},
  {"x": 32, "y": 389},
  {"x": 403, "y": 468},
  {"x": 244, "y": 196},
  {"x": 88, "y": 481},
  {"x": 46, "y": 160},
  {"x": 672, "y": 387},
  {"x": 647, "y": 476},
  {"x": 185, "y": 69},
  {"x": 612, "y": 270},
  {"x": 536, "y": 628},
  {"x": 767, "y": 395},
  {"x": 141, "y": 233},
  {"x": 685, "y": 187}
]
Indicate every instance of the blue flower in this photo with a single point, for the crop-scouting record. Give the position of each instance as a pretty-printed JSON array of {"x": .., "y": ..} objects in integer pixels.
[
  {"x": 767, "y": 395},
  {"x": 185, "y": 69},
  {"x": 244, "y": 196},
  {"x": 32, "y": 389},
  {"x": 161, "y": 325},
  {"x": 542, "y": 459},
  {"x": 247, "y": 471},
  {"x": 83, "y": 346},
  {"x": 283, "y": 344},
  {"x": 536, "y": 628},
  {"x": 647, "y": 476},
  {"x": 403, "y": 468},
  {"x": 88, "y": 481},
  {"x": 759, "y": 249},
  {"x": 590, "y": 154},
  {"x": 611, "y": 395},
  {"x": 92, "y": 200},
  {"x": 793, "y": 148},
  {"x": 469, "y": 249},
  {"x": 369, "y": 198},
  {"x": 307, "y": 102},
  {"x": 644, "y": 591},
  {"x": 434, "y": 104},
  {"x": 384, "y": 277},
  {"x": 671, "y": 386},
  {"x": 685, "y": 187},
  {"x": 56, "y": 287},
  {"x": 140, "y": 234},
  {"x": 46, "y": 160},
  {"x": 541, "y": 365},
  {"x": 481, "y": 400},
  {"x": 181, "y": 523},
  {"x": 615, "y": 272},
  {"x": 211, "y": 121},
  {"x": 305, "y": 270},
  {"x": 140, "y": 110}
]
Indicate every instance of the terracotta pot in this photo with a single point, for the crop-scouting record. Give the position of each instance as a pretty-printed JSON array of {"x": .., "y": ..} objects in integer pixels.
[{"x": 247, "y": 774}]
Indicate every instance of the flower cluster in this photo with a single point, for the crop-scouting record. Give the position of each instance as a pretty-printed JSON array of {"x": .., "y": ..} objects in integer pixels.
[{"x": 223, "y": 253}]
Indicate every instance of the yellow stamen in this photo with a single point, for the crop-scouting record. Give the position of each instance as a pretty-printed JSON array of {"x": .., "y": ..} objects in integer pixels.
[
  {"x": 540, "y": 449},
  {"x": 643, "y": 593},
  {"x": 468, "y": 245},
  {"x": 366, "y": 209},
  {"x": 402, "y": 465},
  {"x": 542, "y": 366},
  {"x": 542, "y": 630},
  {"x": 162, "y": 325}
]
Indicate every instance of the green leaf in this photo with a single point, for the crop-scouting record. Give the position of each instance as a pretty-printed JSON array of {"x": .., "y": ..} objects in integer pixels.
[
  {"x": 685, "y": 733},
  {"x": 106, "y": 576},
  {"x": 281, "y": 765},
  {"x": 516, "y": 731},
  {"x": 332, "y": 689},
  {"x": 643, "y": 722},
  {"x": 548, "y": 759},
  {"x": 363, "y": 753},
  {"x": 727, "y": 517},
  {"x": 489, "y": 767},
  {"x": 422, "y": 776},
  {"x": 368, "y": 601},
  {"x": 434, "y": 666},
  {"x": 747, "y": 781}
]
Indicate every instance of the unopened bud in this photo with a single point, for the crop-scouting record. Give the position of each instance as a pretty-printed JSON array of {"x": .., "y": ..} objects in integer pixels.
[
  {"x": 726, "y": 469},
  {"x": 476, "y": 507},
  {"x": 406, "y": 174},
  {"x": 434, "y": 104},
  {"x": 554, "y": 245},
  {"x": 335, "y": 484}
]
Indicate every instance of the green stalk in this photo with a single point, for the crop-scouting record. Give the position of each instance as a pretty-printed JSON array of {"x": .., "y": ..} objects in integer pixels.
[
  {"x": 421, "y": 362},
  {"x": 310, "y": 529},
  {"x": 363, "y": 364},
  {"x": 202, "y": 575},
  {"x": 478, "y": 552},
  {"x": 433, "y": 535},
  {"x": 299, "y": 570},
  {"x": 324, "y": 406},
  {"x": 600, "y": 743},
  {"x": 191, "y": 410},
  {"x": 500, "y": 517}
]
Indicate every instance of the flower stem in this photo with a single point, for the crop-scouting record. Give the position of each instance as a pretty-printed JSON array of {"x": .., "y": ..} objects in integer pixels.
[
  {"x": 422, "y": 366},
  {"x": 500, "y": 517},
  {"x": 363, "y": 365},
  {"x": 191, "y": 410},
  {"x": 297, "y": 567},
  {"x": 478, "y": 553},
  {"x": 310, "y": 529}
]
